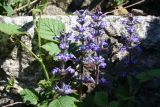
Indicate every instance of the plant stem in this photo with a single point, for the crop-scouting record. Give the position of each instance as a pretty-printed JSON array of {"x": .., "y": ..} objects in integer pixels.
[{"x": 37, "y": 58}]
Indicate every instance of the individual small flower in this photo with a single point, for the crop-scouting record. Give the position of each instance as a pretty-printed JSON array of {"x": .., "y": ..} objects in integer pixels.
[
  {"x": 55, "y": 70},
  {"x": 63, "y": 46},
  {"x": 131, "y": 29},
  {"x": 80, "y": 28},
  {"x": 99, "y": 59},
  {"x": 70, "y": 70},
  {"x": 102, "y": 24},
  {"x": 80, "y": 13},
  {"x": 56, "y": 88},
  {"x": 67, "y": 89},
  {"x": 91, "y": 25},
  {"x": 63, "y": 57},
  {"x": 123, "y": 49},
  {"x": 103, "y": 65},
  {"x": 103, "y": 81},
  {"x": 88, "y": 79},
  {"x": 134, "y": 39},
  {"x": 81, "y": 20},
  {"x": 139, "y": 49},
  {"x": 89, "y": 60},
  {"x": 103, "y": 44},
  {"x": 82, "y": 48}
]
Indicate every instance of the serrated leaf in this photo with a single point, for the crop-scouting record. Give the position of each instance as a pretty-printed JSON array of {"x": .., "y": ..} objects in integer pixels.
[
  {"x": 145, "y": 76},
  {"x": 8, "y": 9},
  {"x": 101, "y": 99},
  {"x": 52, "y": 48},
  {"x": 49, "y": 28},
  {"x": 64, "y": 101},
  {"x": 10, "y": 29},
  {"x": 29, "y": 96}
]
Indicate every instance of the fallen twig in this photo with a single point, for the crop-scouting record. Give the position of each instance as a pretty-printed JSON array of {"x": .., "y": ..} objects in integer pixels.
[
  {"x": 125, "y": 7},
  {"x": 24, "y": 6},
  {"x": 12, "y": 104}
]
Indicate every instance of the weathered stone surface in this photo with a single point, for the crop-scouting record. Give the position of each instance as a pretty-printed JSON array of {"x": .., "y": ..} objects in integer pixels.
[{"x": 53, "y": 10}]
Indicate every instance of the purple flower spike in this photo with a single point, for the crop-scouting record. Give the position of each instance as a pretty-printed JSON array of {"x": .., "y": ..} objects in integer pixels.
[
  {"x": 70, "y": 70},
  {"x": 55, "y": 70}
]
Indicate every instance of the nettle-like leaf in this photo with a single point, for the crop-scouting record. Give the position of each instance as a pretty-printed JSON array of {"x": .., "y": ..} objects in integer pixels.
[
  {"x": 29, "y": 96},
  {"x": 10, "y": 29},
  {"x": 52, "y": 48},
  {"x": 101, "y": 99},
  {"x": 64, "y": 101},
  {"x": 8, "y": 9},
  {"x": 49, "y": 28},
  {"x": 146, "y": 76}
]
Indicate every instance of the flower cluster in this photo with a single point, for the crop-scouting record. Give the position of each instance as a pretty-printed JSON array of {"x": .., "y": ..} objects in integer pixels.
[
  {"x": 66, "y": 89},
  {"x": 63, "y": 57},
  {"x": 91, "y": 43},
  {"x": 131, "y": 44}
]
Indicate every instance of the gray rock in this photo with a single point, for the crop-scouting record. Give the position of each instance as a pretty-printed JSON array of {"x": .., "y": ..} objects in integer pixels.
[{"x": 53, "y": 10}]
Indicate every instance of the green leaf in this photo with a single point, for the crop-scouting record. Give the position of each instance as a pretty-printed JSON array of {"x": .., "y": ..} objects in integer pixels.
[
  {"x": 146, "y": 76},
  {"x": 49, "y": 28},
  {"x": 8, "y": 9},
  {"x": 114, "y": 104},
  {"x": 122, "y": 93},
  {"x": 13, "y": 2},
  {"x": 118, "y": 2},
  {"x": 101, "y": 99},
  {"x": 29, "y": 96},
  {"x": 64, "y": 101},
  {"x": 43, "y": 104},
  {"x": 10, "y": 29},
  {"x": 52, "y": 48},
  {"x": 42, "y": 5},
  {"x": 45, "y": 84}
]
